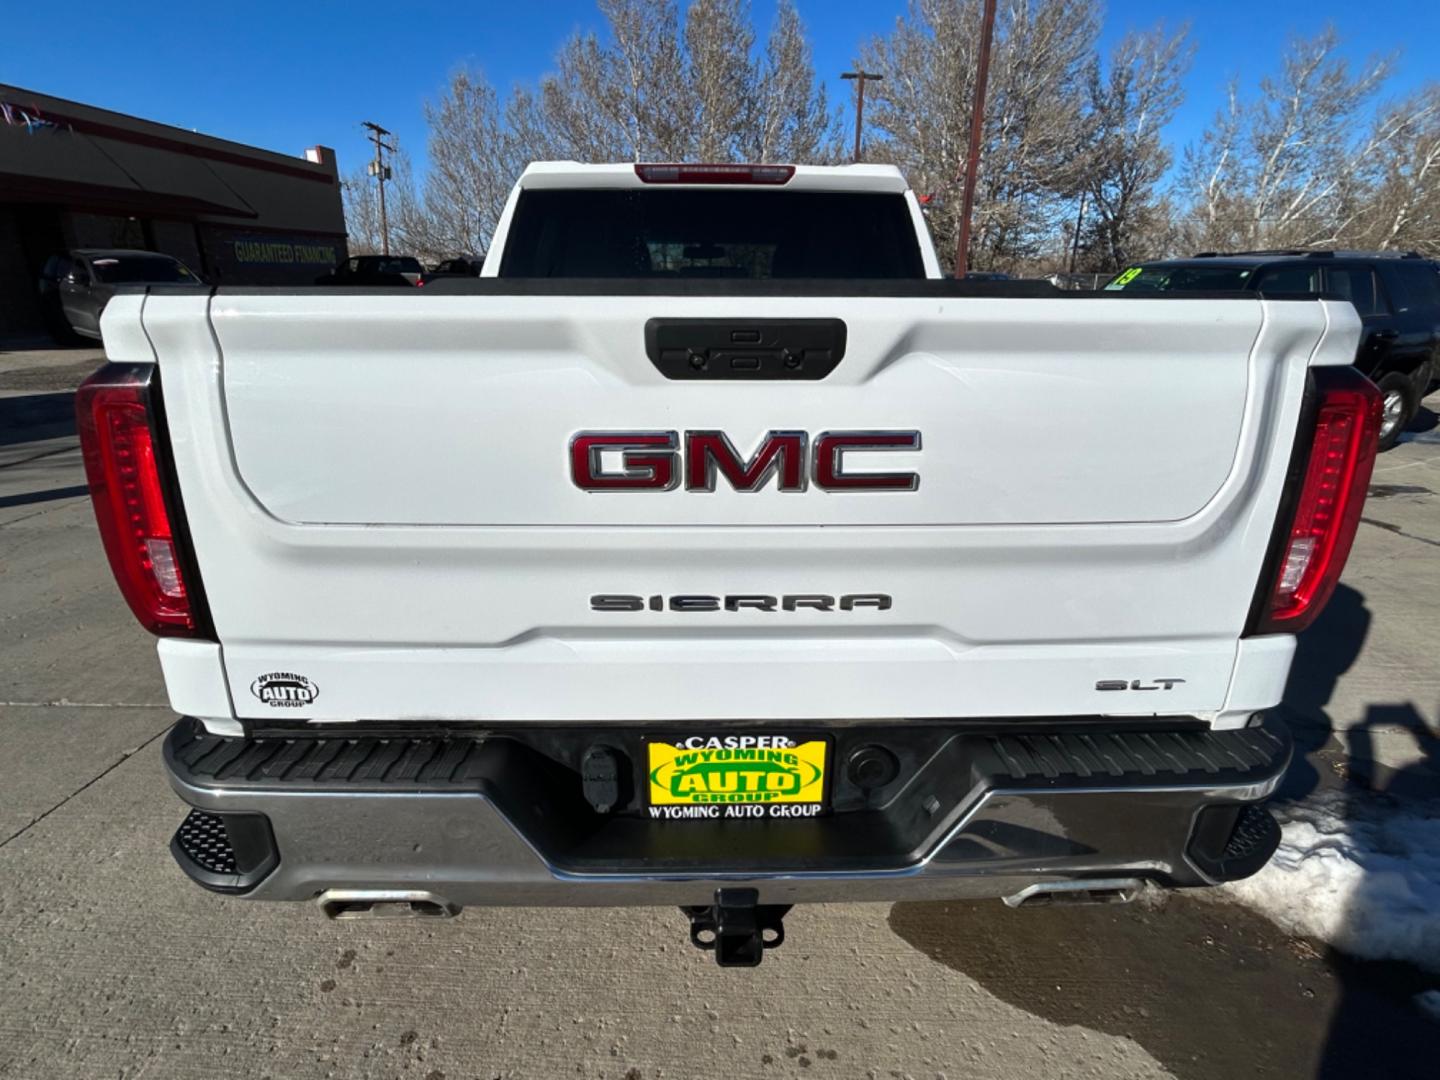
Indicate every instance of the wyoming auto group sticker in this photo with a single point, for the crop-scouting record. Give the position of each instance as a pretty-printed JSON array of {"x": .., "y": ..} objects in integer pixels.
[
  {"x": 736, "y": 776},
  {"x": 284, "y": 690}
]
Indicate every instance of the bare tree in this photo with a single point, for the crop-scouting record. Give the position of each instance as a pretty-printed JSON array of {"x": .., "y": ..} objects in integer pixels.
[
  {"x": 473, "y": 163},
  {"x": 1036, "y": 125},
  {"x": 571, "y": 114},
  {"x": 1300, "y": 138},
  {"x": 1130, "y": 104},
  {"x": 1305, "y": 160},
  {"x": 921, "y": 109},
  {"x": 638, "y": 92},
  {"x": 1208, "y": 174},
  {"x": 791, "y": 120},
  {"x": 625, "y": 96},
  {"x": 362, "y": 213},
  {"x": 621, "y": 99},
  {"x": 1287, "y": 168},
  {"x": 1402, "y": 204},
  {"x": 1041, "y": 124},
  {"x": 646, "y": 91},
  {"x": 721, "y": 77}
]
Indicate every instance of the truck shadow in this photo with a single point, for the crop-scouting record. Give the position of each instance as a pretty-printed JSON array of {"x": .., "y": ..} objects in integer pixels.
[
  {"x": 31, "y": 498},
  {"x": 1373, "y": 995},
  {"x": 1383, "y": 909},
  {"x": 1211, "y": 989},
  {"x": 31, "y": 417},
  {"x": 1323, "y": 654}
]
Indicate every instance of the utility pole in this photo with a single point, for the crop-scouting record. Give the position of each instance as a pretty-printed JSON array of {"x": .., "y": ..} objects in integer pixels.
[
  {"x": 860, "y": 78},
  {"x": 381, "y": 172},
  {"x": 977, "y": 122},
  {"x": 1075, "y": 240}
]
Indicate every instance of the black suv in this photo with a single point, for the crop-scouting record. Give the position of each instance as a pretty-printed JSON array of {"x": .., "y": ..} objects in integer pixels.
[
  {"x": 1397, "y": 297},
  {"x": 403, "y": 271},
  {"x": 461, "y": 267}
]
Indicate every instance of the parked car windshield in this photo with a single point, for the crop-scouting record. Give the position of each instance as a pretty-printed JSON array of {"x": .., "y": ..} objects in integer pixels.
[
  {"x": 708, "y": 233},
  {"x": 129, "y": 269},
  {"x": 1183, "y": 278}
]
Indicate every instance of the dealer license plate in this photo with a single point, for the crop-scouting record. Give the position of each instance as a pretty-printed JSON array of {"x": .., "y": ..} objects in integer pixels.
[{"x": 737, "y": 776}]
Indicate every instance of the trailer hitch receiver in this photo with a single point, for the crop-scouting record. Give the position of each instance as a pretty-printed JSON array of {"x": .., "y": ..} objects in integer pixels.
[{"x": 737, "y": 927}]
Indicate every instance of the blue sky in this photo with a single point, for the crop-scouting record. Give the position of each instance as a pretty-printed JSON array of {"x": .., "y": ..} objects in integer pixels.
[{"x": 288, "y": 75}]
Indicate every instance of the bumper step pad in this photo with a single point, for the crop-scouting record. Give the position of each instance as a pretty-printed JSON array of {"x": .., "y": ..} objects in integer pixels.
[
  {"x": 1160, "y": 755},
  {"x": 202, "y": 839},
  {"x": 1233, "y": 842},
  {"x": 227, "y": 853},
  {"x": 438, "y": 762}
]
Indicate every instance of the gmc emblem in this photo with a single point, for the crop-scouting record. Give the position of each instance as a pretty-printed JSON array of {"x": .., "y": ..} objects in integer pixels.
[{"x": 652, "y": 461}]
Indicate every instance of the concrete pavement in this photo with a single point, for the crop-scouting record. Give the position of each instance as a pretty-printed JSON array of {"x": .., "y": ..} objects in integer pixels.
[{"x": 112, "y": 964}]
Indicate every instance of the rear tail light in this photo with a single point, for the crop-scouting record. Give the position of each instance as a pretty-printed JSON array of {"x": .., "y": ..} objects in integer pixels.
[
  {"x": 715, "y": 174},
  {"x": 1315, "y": 542},
  {"x": 115, "y": 412}
]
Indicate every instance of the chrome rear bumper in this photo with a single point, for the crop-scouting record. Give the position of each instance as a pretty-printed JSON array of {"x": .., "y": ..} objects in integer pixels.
[{"x": 477, "y": 819}]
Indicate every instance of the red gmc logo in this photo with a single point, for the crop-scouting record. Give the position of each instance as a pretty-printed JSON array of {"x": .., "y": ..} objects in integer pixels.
[{"x": 653, "y": 461}]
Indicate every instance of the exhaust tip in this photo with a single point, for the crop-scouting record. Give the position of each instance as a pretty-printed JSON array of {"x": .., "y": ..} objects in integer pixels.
[
  {"x": 385, "y": 904},
  {"x": 1096, "y": 891}
]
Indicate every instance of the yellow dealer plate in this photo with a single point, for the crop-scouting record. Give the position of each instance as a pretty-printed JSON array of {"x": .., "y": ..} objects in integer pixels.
[{"x": 737, "y": 776}]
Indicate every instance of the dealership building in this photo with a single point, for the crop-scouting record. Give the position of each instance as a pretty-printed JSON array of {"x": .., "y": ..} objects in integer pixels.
[{"x": 74, "y": 176}]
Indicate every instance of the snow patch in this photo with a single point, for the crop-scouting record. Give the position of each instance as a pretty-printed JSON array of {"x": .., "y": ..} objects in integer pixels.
[{"x": 1357, "y": 870}]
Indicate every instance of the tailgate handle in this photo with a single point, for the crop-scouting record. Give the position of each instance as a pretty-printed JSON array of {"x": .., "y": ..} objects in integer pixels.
[{"x": 764, "y": 349}]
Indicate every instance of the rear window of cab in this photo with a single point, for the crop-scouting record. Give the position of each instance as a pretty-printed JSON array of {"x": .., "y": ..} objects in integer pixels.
[{"x": 711, "y": 233}]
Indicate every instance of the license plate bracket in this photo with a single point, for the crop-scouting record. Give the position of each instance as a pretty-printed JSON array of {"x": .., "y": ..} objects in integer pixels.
[{"x": 734, "y": 776}]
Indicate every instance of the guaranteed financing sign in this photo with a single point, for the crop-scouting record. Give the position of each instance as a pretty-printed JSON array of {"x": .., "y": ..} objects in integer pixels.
[{"x": 259, "y": 251}]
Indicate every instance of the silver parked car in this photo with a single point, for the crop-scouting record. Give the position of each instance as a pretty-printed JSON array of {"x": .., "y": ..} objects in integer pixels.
[{"x": 76, "y": 286}]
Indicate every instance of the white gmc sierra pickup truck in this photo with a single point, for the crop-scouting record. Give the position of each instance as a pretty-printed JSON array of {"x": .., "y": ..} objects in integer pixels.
[{"x": 711, "y": 550}]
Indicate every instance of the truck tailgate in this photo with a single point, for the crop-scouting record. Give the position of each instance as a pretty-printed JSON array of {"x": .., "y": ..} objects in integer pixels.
[
  {"x": 380, "y": 494},
  {"x": 458, "y": 410}
]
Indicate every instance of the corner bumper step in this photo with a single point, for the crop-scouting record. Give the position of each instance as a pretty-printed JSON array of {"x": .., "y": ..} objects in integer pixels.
[{"x": 226, "y": 853}]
